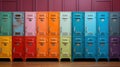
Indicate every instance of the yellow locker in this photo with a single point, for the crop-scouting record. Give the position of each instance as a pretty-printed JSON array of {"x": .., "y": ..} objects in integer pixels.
[{"x": 6, "y": 47}]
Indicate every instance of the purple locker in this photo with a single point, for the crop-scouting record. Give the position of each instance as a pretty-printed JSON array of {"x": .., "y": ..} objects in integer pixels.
[
  {"x": 84, "y": 5},
  {"x": 55, "y": 5},
  {"x": 70, "y": 5},
  {"x": 114, "y": 47},
  {"x": 42, "y": 5},
  {"x": 30, "y": 23},
  {"x": 9, "y": 6},
  {"x": 102, "y": 5},
  {"x": 23, "y": 7},
  {"x": 116, "y": 5}
]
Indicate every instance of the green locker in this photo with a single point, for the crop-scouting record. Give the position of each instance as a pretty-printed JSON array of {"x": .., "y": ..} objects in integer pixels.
[
  {"x": 65, "y": 48},
  {"x": 5, "y": 23}
]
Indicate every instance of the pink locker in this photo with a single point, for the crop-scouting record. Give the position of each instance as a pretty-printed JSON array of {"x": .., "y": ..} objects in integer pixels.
[{"x": 30, "y": 23}]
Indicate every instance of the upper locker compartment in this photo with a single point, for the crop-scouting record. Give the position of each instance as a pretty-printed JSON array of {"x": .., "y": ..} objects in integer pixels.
[
  {"x": 42, "y": 24},
  {"x": 103, "y": 23},
  {"x": 102, "y": 5},
  {"x": 30, "y": 23},
  {"x": 77, "y": 24},
  {"x": 5, "y": 23},
  {"x": 114, "y": 24},
  {"x": 18, "y": 24},
  {"x": 65, "y": 23},
  {"x": 53, "y": 23},
  {"x": 90, "y": 23}
]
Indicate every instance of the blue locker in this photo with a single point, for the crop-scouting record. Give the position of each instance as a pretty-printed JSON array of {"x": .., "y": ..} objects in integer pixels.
[
  {"x": 90, "y": 47},
  {"x": 102, "y": 23},
  {"x": 77, "y": 48},
  {"x": 90, "y": 23},
  {"x": 77, "y": 24},
  {"x": 18, "y": 23}
]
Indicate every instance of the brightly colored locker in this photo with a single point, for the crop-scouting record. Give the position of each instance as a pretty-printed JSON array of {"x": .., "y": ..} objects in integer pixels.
[
  {"x": 65, "y": 47},
  {"x": 90, "y": 23},
  {"x": 114, "y": 24},
  {"x": 77, "y": 48},
  {"x": 30, "y": 23},
  {"x": 5, "y": 23},
  {"x": 53, "y": 24},
  {"x": 65, "y": 23},
  {"x": 54, "y": 49},
  {"x": 77, "y": 24},
  {"x": 18, "y": 23},
  {"x": 90, "y": 47},
  {"x": 30, "y": 47},
  {"x": 42, "y": 47},
  {"x": 114, "y": 47},
  {"x": 18, "y": 47},
  {"x": 6, "y": 47},
  {"x": 42, "y": 24}
]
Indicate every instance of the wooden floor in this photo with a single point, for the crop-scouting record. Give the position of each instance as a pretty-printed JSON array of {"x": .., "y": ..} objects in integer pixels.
[{"x": 59, "y": 64}]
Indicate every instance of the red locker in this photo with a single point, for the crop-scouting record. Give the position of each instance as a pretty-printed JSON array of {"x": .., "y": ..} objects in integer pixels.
[
  {"x": 42, "y": 5},
  {"x": 18, "y": 47},
  {"x": 30, "y": 47},
  {"x": 0, "y": 5},
  {"x": 55, "y": 5},
  {"x": 84, "y": 5},
  {"x": 70, "y": 5},
  {"x": 116, "y": 5},
  {"x": 102, "y": 5}
]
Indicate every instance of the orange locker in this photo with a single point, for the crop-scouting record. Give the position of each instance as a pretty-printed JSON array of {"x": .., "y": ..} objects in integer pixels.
[
  {"x": 42, "y": 47},
  {"x": 30, "y": 47},
  {"x": 42, "y": 23},
  {"x": 53, "y": 49},
  {"x": 6, "y": 47},
  {"x": 54, "y": 23}
]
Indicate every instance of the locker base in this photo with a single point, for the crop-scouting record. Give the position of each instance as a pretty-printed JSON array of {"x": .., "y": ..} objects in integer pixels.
[
  {"x": 78, "y": 59},
  {"x": 18, "y": 59},
  {"x": 5, "y": 59},
  {"x": 47, "y": 59},
  {"x": 103, "y": 59},
  {"x": 90, "y": 59},
  {"x": 114, "y": 59},
  {"x": 65, "y": 59}
]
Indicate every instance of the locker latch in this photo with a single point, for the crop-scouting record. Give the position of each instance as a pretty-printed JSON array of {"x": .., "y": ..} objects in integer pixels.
[
  {"x": 102, "y": 19},
  {"x": 53, "y": 19},
  {"x": 5, "y": 44},
  {"x": 114, "y": 19},
  {"x": 17, "y": 33},
  {"x": 90, "y": 43},
  {"x": 30, "y": 19},
  {"x": 77, "y": 19},
  {"x": 30, "y": 43},
  {"x": 78, "y": 44},
  {"x": 102, "y": 43},
  {"x": 17, "y": 44}
]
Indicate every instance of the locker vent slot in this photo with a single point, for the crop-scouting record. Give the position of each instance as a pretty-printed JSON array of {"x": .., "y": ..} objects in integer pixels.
[
  {"x": 17, "y": 33},
  {"x": 90, "y": 19}
]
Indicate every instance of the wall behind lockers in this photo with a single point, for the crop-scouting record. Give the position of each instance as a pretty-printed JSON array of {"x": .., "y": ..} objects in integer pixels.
[{"x": 59, "y": 5}]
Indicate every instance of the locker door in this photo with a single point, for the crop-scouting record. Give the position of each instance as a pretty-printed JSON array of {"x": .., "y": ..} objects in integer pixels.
[
  {"x": 42, "y": 5},
  {"x": 6, "y": 23},
  {"x": 103, "y": 23},
  {"x": 18, "y": 24},
  {"x": 114, "y": 24},
  {"x": 55, "y": 5},
  {"x": 42, "y": 23},
  {"x": 53, "y": 23},
  {"x": 65, "y": 23},
  {"x": 30, "y": 47},
  {"x": 78, "y": 47},
  {"x": 78, "y": 23},
  {"x": 53, "y": 49},
  {"x": 90, "y": 23},
  {"x": 102, "y": 5},
  {"x": 30, "y": 23},
  {"x": 42, "y": 47},
  {"x": 103, "y": 50},
  {"x": 84, "y": 5},
  {"x": 114, "y": 47},
  {"x": 116, "y": 5},
  {"x": 18, "y": 47},
  {"x": 65, "y": 47},
  {"x": 69, "y": 5},
  {"x": 90, "y": 47},
  {"x": 6, "y": 43}
]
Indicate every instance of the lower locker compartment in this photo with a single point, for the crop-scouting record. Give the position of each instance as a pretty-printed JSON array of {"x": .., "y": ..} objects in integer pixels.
[
  {"x": 18, "y": 48},
  {"x": 6, "y": 48},
  {"x": 65, "y": 48},
  {"x": 90, "y": 48},
  {"x": 30, "y": 47},
  {"x": 103, "y": 48},
  {"x": 77, "y": 48},
  {"x": 114, "y": 48}
]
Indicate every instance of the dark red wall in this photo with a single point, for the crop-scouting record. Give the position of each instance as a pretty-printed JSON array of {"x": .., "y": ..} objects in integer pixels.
[{"x": 59, "y": 5}]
